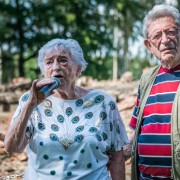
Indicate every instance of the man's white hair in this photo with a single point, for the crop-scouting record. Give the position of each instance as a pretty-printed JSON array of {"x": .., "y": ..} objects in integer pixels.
[{"x": 158, "y": 11}]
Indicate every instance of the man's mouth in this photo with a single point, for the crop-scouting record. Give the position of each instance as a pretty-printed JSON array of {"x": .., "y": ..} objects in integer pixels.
[{"x": 167, "y": 49}]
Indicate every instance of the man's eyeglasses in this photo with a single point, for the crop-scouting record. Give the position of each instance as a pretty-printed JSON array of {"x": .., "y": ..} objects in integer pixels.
[{"x": 170, "y": 33}]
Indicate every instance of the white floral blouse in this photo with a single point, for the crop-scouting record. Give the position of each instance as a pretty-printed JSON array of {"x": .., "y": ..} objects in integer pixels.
[{"x": 68, "y": 139}]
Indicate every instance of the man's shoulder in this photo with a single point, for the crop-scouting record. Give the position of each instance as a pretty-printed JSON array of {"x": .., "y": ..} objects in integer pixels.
[
  {"x": 148, "y": 77},
  {"x": 151, "y": 70},
  {"x": 148, "y": 73}
]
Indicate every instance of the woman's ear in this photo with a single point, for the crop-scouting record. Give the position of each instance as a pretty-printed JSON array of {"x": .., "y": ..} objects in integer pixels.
[
  {"x": 148, "y": 45},
  {"x": 79, "y": 69}
]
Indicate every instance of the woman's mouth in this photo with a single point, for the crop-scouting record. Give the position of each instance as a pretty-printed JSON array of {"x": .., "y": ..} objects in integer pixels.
[{"x": 58, "y": 76}]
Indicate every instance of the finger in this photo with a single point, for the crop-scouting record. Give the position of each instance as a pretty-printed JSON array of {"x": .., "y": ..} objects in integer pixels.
[
  {"x": 34, "y": 85},
  {"x": 44, "y": 82}
]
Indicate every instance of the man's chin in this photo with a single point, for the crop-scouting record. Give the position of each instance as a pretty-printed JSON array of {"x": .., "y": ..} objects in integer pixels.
[
  {"x": 168, "y": 57},
  {"x": 169, "y": 62}
]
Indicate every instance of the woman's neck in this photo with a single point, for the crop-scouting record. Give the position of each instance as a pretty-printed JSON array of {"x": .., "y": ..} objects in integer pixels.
[{"x": 75, "y": 93}]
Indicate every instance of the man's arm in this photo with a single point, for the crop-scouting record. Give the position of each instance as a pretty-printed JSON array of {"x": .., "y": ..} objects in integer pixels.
[{"x": 127, "y": 148}]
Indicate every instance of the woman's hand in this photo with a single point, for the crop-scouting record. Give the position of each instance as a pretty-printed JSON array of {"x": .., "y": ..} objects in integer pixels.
[{"x": 36, "y": 86}]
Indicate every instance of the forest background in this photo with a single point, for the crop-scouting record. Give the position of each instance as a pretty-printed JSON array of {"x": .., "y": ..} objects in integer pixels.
[{"x": 108, "y": 31}]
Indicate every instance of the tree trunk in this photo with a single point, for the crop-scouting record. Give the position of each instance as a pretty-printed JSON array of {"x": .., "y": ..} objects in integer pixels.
[
  {"x": 115, "y": 53},
  {"x": 21, "y": 37},
  {"x": 0, "y": 66}
]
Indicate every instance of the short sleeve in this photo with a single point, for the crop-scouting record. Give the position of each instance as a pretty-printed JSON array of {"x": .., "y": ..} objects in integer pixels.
[
  {"x": 133, "y": 121},
  {"x": 29, "y": 129},
  {"x": 117, "y": 129}
]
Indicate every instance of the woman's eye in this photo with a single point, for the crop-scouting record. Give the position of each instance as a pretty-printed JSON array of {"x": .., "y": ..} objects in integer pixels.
[
  {"x": 63, "y": 61},
  {"x": 48, "y": 62}
]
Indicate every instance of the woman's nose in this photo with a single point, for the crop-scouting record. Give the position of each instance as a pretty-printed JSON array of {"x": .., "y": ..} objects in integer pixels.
[{"x": 56, "y": 65}]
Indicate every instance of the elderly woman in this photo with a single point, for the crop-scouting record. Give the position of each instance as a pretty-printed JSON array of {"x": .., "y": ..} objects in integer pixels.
[{"x": 69, "y": 133}]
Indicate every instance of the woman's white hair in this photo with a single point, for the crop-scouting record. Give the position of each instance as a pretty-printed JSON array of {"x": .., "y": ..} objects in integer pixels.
[
  {"x": 159, "y": 11},
  {"x": 71, "y": 45}
]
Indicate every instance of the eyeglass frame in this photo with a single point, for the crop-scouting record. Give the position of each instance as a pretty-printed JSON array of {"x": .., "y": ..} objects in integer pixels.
[{"x": 160, "y": 33}]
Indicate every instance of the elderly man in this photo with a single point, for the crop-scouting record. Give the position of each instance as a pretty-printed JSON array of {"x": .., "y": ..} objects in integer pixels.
[{"x": 156, "y": 117}]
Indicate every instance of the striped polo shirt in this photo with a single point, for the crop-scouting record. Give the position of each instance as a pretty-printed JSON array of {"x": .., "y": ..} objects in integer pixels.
[{"x": 154, "y": 141}]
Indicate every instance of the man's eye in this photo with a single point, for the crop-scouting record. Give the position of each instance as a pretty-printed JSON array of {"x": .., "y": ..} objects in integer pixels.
[
  {"x": 156, "y": 37},
  {"x": 171, "y": 32}
]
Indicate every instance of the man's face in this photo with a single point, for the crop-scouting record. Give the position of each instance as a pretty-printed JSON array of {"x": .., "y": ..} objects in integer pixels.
[{"x": 164, "y": 41}]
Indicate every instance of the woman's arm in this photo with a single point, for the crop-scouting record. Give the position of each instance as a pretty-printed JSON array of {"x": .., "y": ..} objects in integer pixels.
[
  {"x": 117, "y": 166},
  {"x": 15, "y": 138}
]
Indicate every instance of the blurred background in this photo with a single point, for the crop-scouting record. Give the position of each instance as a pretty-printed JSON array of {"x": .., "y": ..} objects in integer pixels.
[{"x": 109, "y": 32}]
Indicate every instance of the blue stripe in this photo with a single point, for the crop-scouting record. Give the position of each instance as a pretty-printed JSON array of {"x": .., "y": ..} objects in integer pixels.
[
  {"x": 174, "y": 76},
  {"x": 160, "y": 119},
  {"x": 155, "y": 161},
  {"x": 135, "y": 112},
  {"x": 161, "y": 98},
  {"x": 154, "y": 139}
]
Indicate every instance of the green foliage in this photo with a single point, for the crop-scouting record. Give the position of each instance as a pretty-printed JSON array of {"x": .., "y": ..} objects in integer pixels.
[
  {"x": 137, "y": 64},
  {"x": 31, "y": 69},
  {"x": 27, "y": 25},
  {"x": 100, "y": 65}
]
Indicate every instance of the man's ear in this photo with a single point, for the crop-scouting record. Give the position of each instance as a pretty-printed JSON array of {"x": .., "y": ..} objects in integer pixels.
[{"x": 148, "y": 45}]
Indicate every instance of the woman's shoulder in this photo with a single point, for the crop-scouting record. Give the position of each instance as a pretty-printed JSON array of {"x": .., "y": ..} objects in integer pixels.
[
  {"x": 100, "y": 92},
  {"x": 24, "y": 97}
]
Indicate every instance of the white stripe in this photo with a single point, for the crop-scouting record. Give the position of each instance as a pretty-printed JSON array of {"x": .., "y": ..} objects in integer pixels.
[
  {"x": 157, "y": 134},
  {"x": 158, "y": 114},
  {"x": 155, "y": 156},
  {"x": 164, "y": 93},
  {"x": 151, "y": 144},
  {"x": 146, "y": 178},
  {"x": 160, "y": 103},
  {"x": 154, "y": 166},
  {"x": 131, "y": 128},
  {"x": 156, "y": 124},
  {"x": 164, "y": 82}
]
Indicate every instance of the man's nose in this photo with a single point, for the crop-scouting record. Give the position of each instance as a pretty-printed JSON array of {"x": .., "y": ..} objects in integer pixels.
[{"x": 164, "y": 38}]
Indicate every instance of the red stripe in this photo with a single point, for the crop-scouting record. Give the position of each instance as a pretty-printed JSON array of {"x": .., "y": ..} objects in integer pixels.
[
  {"x": 133, "y": 122},
  {"x": 137, "y": 102},
  {"x": 156, "y": 128},
  {"x": 165, "y": 87},
  {"x": 161, "y": 70},
  {"x": 157, "y": 108},
  {"x": 150, "y": 150},
  {"x": 156, "y": 171}
]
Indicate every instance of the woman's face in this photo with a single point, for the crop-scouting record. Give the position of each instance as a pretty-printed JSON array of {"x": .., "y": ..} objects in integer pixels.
[{"x": 59, "y": 63}]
